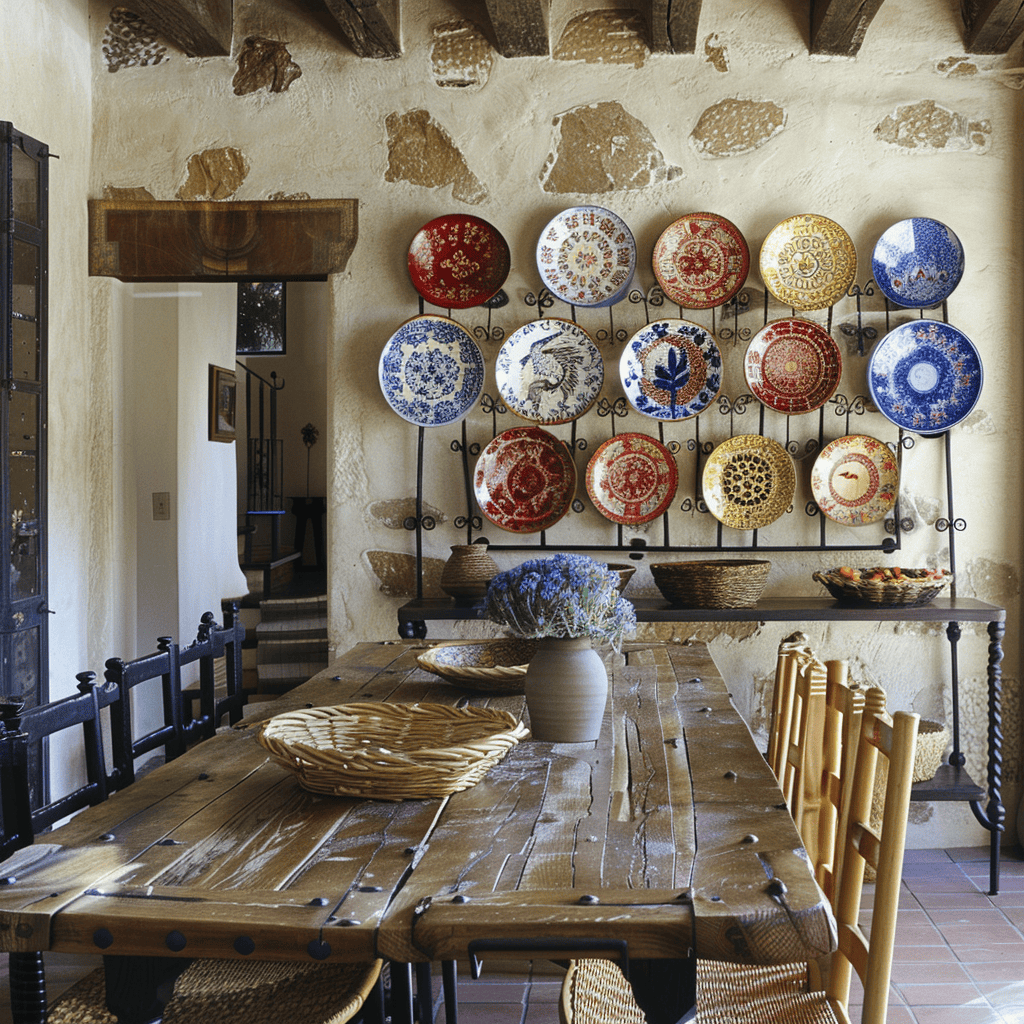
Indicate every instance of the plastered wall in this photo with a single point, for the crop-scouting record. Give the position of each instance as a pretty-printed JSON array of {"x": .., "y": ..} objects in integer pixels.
[{"x": 750, "y": 127}]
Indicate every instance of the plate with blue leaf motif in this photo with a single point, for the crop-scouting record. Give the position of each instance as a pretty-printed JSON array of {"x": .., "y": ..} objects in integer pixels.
[
  {"x": 917, "y": 262},
  {"x": 431, "y": 371},
  {"x": 671, "y": 369},
  {"x": 925, "y": 376}
]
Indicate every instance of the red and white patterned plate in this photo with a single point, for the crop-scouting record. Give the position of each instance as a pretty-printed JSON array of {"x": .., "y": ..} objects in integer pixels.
[
  {"x": 701, "y": 260},
  {"x": 793, "y": 365},
  {"x": 855, "y": 480},
  {"x": 525, "y": 480},
  {"x": 632, "y": 479}
]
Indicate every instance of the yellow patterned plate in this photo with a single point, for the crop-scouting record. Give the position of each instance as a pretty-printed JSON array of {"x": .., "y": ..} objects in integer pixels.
[
  {"x": 808, "y": 262},
  {"x": 749, "y": 481}
]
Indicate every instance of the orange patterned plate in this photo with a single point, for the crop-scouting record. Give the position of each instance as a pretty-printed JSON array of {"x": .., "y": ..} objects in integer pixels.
[
  {"x": 793, "y": 366},
  {"x": 632, "y": 479},
  {"x": 701, "y": 260}
]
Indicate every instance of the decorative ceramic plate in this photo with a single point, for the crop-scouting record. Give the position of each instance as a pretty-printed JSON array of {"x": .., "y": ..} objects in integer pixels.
[
  {"x": 525, "y": 480},
  {"x": 586, "y": 256},
  {"x": 632, "y": 479},
  {"x": 458, "y": 261},
  {"x": 917, "y": 262},
  {"x": 431, "y": 371},
  {"x": 749, "y": 481},
  {"x": 808, "y": 262},
  {"x": 549, "y": 371},
  {"x": 793, "y": 365},
  {"x": 701, "y": 260},
  {"x": 855, "y": 480},
  {"x": 925, "y": 376},
  {"x": 671, "y": 369}
]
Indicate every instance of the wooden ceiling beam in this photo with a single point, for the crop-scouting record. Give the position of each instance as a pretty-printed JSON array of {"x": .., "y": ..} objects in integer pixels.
[
  {"x": 992, "y": 26},
  {"x": 370, "y": 26},
  {"x": 199, "y": 28},
  {"x": 519, "y": 27},
  {"x": 838, "y": 27},
  {"x": 673, "y": 25}
]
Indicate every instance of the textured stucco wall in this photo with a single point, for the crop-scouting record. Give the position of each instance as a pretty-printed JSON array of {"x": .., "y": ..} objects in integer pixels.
[{"x": 750, "y": 127}]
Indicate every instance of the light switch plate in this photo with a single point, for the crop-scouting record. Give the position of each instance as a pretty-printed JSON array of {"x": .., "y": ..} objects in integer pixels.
[{"x": 161, "y": 504}]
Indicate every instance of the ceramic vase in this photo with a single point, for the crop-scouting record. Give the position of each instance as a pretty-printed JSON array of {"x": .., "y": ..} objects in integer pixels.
[
  {"x": 467, "y": 572},
  {"x": 566, "y": 688}
]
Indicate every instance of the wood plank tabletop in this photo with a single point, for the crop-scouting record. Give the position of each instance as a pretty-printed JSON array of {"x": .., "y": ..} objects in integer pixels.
[{"x": 668, "y": 832}]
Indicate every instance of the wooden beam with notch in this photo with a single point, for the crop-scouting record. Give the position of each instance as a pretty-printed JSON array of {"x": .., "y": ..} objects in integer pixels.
[
  {"x": 992, "y": 26},
  {"x": 673, "y": 25},
  {"x": 838, "y": 27},
  {"x": 519, "y": 27},
  {"x": 199, "y": 28},
  {"x": 370, "y": 26}
]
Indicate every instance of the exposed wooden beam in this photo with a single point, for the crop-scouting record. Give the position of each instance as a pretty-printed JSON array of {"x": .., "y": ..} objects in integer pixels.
[
  {"x": 199, "y": 28},
  {"x": 673, "y": 25},
  {"x": 519, "y": 27},
  {"x": 838, "y": 27},
  {"x": 369, "y": 26},
  {"x": 992, "y": 26}
]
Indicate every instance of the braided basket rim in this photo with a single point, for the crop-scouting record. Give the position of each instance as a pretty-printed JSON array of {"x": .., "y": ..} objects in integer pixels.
[
  {"x": 910, "y": 589},
  {"x": 712, "y": 583}
]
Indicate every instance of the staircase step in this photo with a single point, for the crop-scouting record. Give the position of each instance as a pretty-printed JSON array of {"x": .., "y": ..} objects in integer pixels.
[
  {"x": 288, "y": 649},
  {"x": 285, "y": 608},
  {"x": 279, "y": 677},
  {"x": 296, "y": 629}
]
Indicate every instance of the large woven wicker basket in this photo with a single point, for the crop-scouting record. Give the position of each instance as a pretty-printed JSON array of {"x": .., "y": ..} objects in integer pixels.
[
  {"x": 390, "y": 751},
  {"x": 489, "y": 666},
  {"x": 715, "y": 583},
  {"x": 915, "y": 587}
]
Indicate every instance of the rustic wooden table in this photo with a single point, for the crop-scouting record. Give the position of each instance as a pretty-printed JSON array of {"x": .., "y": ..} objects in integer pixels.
[{"x": 669, "y": 835}]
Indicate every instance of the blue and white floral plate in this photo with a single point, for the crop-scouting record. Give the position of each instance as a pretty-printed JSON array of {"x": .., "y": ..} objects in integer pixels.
[
  {"x": 431, "y": 371},
  {"x": 671, "y": 369},
  {"x": 925, "y": 376},
  {"x": 586, "y": 256},
  {"x": 917, "y": 262},
  {"x": 549, "y": 371}
]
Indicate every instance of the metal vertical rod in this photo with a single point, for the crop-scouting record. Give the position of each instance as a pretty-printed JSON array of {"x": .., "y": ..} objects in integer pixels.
[{"x": 419, "y": 512}]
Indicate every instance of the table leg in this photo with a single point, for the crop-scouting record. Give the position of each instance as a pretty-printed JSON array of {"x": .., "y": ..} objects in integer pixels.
[
  {"x": 665, "y": 989},
  {"x": 139, "y": 987},
  {"x": 401, "y": 993}
]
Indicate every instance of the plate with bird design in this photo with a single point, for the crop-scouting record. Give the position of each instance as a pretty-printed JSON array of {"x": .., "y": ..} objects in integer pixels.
[
  {"x": 855, "y": 480},
  {"x": 632, "y": 479},
  {"x": 549, "y": 371},
  {"x": 671, "y": 369}
]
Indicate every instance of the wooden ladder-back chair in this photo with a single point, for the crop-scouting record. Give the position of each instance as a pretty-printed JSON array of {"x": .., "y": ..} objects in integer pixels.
[{"x": 791, "y": 647}]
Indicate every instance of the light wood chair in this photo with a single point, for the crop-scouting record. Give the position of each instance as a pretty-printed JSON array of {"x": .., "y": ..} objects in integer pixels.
[{"x": 791, "y": 647}]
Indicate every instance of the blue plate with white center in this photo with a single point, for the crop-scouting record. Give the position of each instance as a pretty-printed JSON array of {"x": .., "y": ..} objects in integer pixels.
[
  {"x": 431, "y": 371},
  {"x": 925, "y": 376},
  {"x": 917, "y": 263}
]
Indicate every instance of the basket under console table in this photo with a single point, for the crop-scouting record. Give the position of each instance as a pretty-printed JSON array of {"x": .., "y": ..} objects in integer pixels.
[{"x": 951, "y": 782}]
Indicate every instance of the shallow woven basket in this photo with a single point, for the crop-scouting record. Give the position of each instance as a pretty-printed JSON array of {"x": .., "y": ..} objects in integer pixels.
[
  {"x": 915, "y": 588},
  {"x": 718, "y": 583},
  {"x": 390, "y": 751},
  {"x": 494, "y": 666}
]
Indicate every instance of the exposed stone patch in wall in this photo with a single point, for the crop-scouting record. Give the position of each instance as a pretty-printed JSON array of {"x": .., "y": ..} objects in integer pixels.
[
  {"x": 979, "y": 422},
  {"x": 929, "y": 126},
  {"x": 393, "y": 512},
  {"x": 700, "y": 632},
  {"x": 264, "y": 64},
  {"x": 736, "y": 126},
  {"x": 460, "y": 57},
  {"x": 138, "y": 194},
  {"x": 396, "y": 573},
  {"x": 284, "y": 196},
  {"x": 967, "y": 67},
  {"x": 714, "y": 54},
  {"x": 987, "y": 580},
  {"x": 603, "y": 148},
  {"x": 922, "y": 509},
  {"x": 130, "y": 42},
  {"x": 421, "y": 152},
  {"x": 604, "y": 37},
  {"x": 214, "y": 174}
]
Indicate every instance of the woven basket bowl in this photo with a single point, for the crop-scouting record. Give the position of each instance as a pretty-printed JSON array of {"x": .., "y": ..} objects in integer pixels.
[
  {"x": 932, "y": 739},
  {"x": 496, "y": 666},
  {"x": 390, "y": 751},
  {"x": 914, "y": 589},
  {"x": 718, "y": 583},
  {"x": 623, "y": 571}
]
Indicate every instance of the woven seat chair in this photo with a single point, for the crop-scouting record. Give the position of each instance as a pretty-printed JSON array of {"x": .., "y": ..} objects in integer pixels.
[{"x": 596, "y": 992}]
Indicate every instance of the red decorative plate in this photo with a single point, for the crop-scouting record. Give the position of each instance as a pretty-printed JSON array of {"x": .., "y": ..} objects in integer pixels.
[
  {"x": 793, "y": 365},
  {"x": 701, "y": 260},
  {"x": 458, "y": 261},
  {"x": 525, "y": 480},
  {"x": 632, "y": 479}
]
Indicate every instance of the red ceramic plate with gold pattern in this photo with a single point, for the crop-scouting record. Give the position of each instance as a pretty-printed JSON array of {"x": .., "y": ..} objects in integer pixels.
[
  {"x": 458, "y": 261},
  {"x": 525, "y": 480},
  {"x": 632, "y": 479},
  {"x": 701, "y": 260},
  {"x": 793, "y": 365}
]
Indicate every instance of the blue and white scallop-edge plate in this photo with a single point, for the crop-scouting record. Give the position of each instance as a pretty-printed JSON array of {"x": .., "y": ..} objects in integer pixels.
[
  {"x": 586, "y": 256},
  {"x": 917, "y": 262},
  {"x": 549, "y": 371},
  {"x": 671, "y": 369},
  {"x": 431, "y": 371},
  {"x": 925, "y": 376}
]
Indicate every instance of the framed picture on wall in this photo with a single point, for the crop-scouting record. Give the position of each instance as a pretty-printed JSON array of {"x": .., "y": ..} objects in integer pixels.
[{"x": 222, "y": 404}]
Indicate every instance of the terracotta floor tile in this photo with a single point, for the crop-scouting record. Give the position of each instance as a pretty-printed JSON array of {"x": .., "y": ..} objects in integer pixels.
[
  {"x": 941, "y": 972},
  {"x": 943, "y": 994},
  {"x": 983, "y": 934},
  {"x": 992, "y": 952},
  {"x": 999, "y": 970},
  {"x": 977, "y": 1014},
  {"x": 923, "y": 955},
  {"x": 939, "y": 900},
  {"x": 1006, "y": 996}
]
